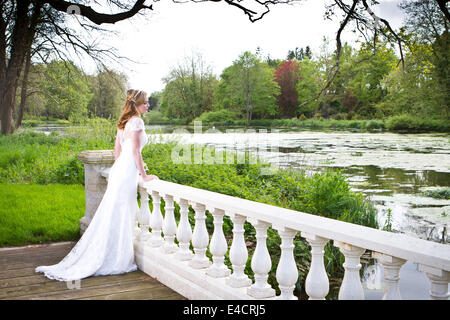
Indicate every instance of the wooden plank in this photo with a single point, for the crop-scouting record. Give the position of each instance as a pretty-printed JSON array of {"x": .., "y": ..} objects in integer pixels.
[
  {"x": 38, "y": 259},
  {"x": 157, "y": 293},
  {"x": 84, "y": 292},
  {"x": 18, "y": 281},
  {"x": 14, "y": 273},
  {"x": 21, "y": 265},
  {"x": 39, "y": 278},
  {"x": 36, "y": 250},
  {"x": 57, "y": 286}
]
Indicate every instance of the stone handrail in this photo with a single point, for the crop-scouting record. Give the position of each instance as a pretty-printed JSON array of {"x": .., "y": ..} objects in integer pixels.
[{"x": 192, "y": 274}]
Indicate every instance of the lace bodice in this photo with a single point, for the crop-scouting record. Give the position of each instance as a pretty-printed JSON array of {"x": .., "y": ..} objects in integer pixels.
[{"x": 134, "y": 124}]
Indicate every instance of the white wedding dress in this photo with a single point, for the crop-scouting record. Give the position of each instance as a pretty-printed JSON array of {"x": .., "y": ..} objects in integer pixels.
[{"x": 106, "y": 246}]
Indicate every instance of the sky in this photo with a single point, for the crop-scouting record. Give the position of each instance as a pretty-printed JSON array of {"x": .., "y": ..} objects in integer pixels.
[{"x": 163, "y": 37}]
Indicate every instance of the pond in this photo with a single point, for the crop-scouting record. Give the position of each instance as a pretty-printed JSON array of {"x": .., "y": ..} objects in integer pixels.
[{"x": 393, "y": 170}]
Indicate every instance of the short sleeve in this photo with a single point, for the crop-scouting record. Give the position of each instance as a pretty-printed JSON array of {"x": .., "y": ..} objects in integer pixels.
[{"x": 136, "y": 124}]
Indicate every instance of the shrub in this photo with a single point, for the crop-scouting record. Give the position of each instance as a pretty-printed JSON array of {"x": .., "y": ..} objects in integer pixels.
[
  {"x": 373, "y": 124},
  {"x": 438, "y": 194},
  {"x": 302, "y": 117},
  {"x": 219, "y": 116},
  {"x": 30, "y": 123},
  {"x": 407, "y": 122},
  {"x": 155, "y": 116}
]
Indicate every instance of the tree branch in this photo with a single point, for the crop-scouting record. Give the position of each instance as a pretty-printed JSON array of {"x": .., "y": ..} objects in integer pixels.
[{"x": 94, "y": 16}]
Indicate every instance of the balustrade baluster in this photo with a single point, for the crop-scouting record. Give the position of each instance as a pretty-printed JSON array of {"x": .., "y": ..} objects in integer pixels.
[
  {"x": 218, "y": 247},
  {"x": 143, "y": 216},
  {"x": 261, "y": 263},
  {"x": 287, "y": 272},
  {"x": 391, "y": 266},
  {"x": 238, "y": 254},
  {"x": 439, "y": 280},
  {"x": 156, "y": 221},
  {"x": 200, "y": 239},
  {"x": 317, "y": 284},
  {"x": 169, "y": 226},
  {"x": 351, "y": 287},
  {"x": 184, "y": 233}
]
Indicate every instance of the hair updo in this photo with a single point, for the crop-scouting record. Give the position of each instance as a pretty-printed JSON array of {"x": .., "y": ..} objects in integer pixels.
[{"x": 134, "y": 98}]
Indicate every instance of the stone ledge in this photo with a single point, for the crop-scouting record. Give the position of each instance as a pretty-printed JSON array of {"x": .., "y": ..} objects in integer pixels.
[{"x": 96, "y": 156}]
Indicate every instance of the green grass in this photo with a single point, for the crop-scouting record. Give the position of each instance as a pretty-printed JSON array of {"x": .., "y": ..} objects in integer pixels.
[{"x": 31, "y": 213}]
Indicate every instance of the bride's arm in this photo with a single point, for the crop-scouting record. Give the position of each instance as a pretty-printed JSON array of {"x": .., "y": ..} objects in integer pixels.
[
  {"x": 117, "y": 147},
  {"x": 135, "y": 145}
]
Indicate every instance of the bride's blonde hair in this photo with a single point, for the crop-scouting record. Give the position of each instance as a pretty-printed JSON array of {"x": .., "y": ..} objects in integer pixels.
[{"x": 134, "y": 98}]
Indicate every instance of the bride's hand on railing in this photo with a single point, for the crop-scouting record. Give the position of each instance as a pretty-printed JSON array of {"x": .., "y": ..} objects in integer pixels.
[{"x": 150, "y": 177}]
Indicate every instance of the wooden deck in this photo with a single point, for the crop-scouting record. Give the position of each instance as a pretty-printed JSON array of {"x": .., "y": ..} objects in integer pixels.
[{"x": 18, "y": 281}]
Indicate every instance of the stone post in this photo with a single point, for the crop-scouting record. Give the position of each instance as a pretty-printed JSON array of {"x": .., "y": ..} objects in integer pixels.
[{"x": 95, "y": 161}]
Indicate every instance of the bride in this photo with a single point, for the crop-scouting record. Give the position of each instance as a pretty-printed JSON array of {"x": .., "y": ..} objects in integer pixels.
[{"x": 106, "y": 246}]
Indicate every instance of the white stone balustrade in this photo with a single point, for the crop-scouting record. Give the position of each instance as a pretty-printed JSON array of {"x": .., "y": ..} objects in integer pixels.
[
  {"x": 391, "y": 267},
  {"x": 200, "y": 239},
  {"x": 184, "y": 233},
  {"x": 218, "y": 247},
  {"x": 238, "y": 254},
  {"x": 169, "y": 226},
  {"x": 196, "y": 277},
  {"x": 317, "y": 284},
  {"x": 261, "y": 263},
  {"x": 287, "y": 272},
  {"x": 156, "y": 221},
  {"x": 351, "y": 287},
  {"x": 143, "y": 216}
]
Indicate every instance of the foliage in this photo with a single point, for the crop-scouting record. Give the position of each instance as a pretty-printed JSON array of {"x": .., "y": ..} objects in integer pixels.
[
  {"x": 407, "y": 122},
  {"x": 31, "y": 157},
  {"x": 248, "y": 87},
  {"x": 438, "y": 194},
  {"x": 154, "y": 116},
  {"x": 308, "y": 86},
  {"x": 189, "y": 89},
  {"x": 287, "y": 75},
  {"x": 219, "y": 116},
  {"x": 61, "y": 90},
  {"x": 108, "y": 94},
  {"x": 66, "y": 88}
]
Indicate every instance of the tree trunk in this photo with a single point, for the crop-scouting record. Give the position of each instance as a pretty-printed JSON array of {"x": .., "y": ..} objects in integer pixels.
[
  {"x": 23, "y": 93},
  {"x": 21, "y": 39},
  {"x": 7, "y": 100}
]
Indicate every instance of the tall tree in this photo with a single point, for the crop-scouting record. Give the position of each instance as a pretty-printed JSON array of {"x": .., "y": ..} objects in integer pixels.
[
  {"x": 287, "y": 75},
  {"x": 189, "y": 88},
  {"x": 24, "y": 22},
  {"x": 108, "y": 88},
  {"x": 427, "y": 24},
  {"x": 66, "y": 90},
  {"x": 248, "y": 86}
]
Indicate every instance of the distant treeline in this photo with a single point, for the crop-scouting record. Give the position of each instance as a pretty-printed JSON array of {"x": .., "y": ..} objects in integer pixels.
[{"x": 373, "y": 83}]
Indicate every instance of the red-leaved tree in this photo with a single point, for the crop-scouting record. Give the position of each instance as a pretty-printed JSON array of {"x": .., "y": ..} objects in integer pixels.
[{"x": 287, "y": 75}]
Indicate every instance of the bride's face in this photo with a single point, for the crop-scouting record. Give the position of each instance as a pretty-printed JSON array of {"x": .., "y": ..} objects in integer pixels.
[{"x": 143, "y": 108}]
